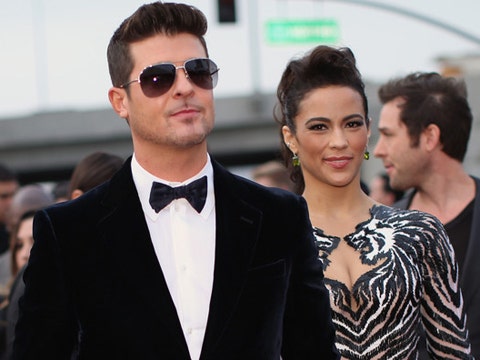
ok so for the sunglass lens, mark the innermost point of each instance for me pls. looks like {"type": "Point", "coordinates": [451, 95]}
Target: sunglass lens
{"type": "Point", "coordinates": [203, 73]}
{"type": "Point", "coordinates": [157, 79]}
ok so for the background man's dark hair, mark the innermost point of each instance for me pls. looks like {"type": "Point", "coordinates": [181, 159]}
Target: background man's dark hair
{"type": "Point", "coordinates": [433, 99]}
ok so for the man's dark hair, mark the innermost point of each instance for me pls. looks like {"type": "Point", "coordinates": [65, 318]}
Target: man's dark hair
{"type": "Point", "coordinates": [150, 19]}
{"type": "Point", "coordinates": [430, 98]}
{"type": "Point", "coordinates": [6, 174]}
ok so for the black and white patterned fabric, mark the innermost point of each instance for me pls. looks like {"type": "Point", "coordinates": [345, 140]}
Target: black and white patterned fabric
{"type": "Point", "coordinates": [413, 282]}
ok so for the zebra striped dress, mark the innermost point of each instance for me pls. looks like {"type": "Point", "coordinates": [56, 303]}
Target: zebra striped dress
{"type": "Point", "coordinates": [413, 282]}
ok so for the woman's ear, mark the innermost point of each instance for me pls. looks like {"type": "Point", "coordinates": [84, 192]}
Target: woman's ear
{"type": "Point", "coordinates": [76, 193]}
{"type": "Point", "coordinates": [289, 139]}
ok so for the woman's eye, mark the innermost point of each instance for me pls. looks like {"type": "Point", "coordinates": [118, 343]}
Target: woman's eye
{"type": "Point", "coordinates": [318, 127]}
{"type": "Point", "coordinates": [354, 124]}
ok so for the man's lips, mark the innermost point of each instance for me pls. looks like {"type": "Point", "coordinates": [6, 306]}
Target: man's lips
{"type": "Point", "coordinates": [388, 167]}
{"type": "Point", "coordinates": [186, 111]}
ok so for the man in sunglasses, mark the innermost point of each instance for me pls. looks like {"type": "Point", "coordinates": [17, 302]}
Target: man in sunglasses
{"type": "Point", "coordinates": [174, 257]}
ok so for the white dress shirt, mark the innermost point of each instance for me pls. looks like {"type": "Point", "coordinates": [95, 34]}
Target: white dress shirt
{"type": "Point", "coordinates": [184, 243]}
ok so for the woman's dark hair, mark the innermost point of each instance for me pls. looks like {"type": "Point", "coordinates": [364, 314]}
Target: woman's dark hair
{"type": "Point", "coordinates": [322, 67]}
{"type": "Point", "coordinates": [93, 170]}
{"type": "Point", "coordinates": [13, 241]}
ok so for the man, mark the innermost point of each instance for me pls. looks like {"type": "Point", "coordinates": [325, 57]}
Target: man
{"type": "Point", "coordinates": [8, 188]}
{"type": "Point", "coordinates": [424, 126]}
{"type": "Point", "coordinates": [128, 271]}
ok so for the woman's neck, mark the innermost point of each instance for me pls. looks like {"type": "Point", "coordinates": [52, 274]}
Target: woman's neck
{"type": "Point", "coordinates": [337, 210]}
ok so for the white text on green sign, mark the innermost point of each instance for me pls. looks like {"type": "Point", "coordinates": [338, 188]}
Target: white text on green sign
{"type": "Point", "coordinates": [302, 31]}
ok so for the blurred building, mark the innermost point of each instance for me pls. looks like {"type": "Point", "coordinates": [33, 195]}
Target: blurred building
{"type": "Point", "coordinates": [46, 146]}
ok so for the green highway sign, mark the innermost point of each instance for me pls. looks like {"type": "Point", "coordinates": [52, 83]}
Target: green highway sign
{"type": "Point", "coordinates": [302, 31]}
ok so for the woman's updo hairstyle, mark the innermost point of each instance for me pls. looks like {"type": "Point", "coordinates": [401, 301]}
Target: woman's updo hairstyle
{"type": "Point", "coordinates": [323, 66]}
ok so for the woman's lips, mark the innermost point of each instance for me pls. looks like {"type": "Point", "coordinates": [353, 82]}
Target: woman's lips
{"type": "Point", "coordinates": [338, 162]}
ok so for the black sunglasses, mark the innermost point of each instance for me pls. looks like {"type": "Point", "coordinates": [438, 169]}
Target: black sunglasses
{"type": "Point", "coordinates": [156, 80]}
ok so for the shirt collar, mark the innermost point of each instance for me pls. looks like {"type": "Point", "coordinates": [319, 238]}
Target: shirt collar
{"type": "Point", "coordinates": [143, 182]}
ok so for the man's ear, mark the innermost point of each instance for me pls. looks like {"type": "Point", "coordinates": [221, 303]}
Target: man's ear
{"type": "Point", "coordinates": [431, 137]}
{"type": "Point", "coordinates": [118, 97]}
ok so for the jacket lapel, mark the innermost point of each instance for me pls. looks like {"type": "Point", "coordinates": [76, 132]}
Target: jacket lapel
{"type": "Point", "coordinates": [126, 230]}
{"type": "Point", "coordinates": [237, 228]}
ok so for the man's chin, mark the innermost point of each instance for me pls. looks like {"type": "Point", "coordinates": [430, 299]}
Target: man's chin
{"type": "Point", "coordinates": [191, 141]}
{"type": "Point", "coordinates": [397, 185]}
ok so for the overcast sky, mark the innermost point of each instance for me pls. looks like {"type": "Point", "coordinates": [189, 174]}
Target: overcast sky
{"type": "Point", "coordinates": [52, 52]}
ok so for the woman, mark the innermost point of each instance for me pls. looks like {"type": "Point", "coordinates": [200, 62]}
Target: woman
{"type": "Point", "coordinates": [22, 242]}
{"type": "Point", "coordinates": [91, 171]}
{"type": "Point", "coordinates": [388, 271]}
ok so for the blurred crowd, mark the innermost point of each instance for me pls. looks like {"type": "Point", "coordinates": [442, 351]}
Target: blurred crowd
{"type": "Point", "coordinates": [18, 205]}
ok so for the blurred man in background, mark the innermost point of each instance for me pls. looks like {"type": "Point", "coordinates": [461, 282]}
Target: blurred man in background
{"type": "Point", "coordinates": [424, 126]}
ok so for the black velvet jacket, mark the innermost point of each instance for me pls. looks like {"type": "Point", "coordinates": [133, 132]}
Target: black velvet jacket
{"type": "Point", "coordinates": [93, 278]}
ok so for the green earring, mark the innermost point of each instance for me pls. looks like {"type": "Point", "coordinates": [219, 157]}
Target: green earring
{"type": "Point", "coordinates": [295, 160]}
{"type": "Point", "coordinates": [366, 155]}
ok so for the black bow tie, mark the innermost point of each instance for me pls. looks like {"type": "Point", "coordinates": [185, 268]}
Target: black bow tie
{"type": "Point", "coordinates": [196, 194]}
